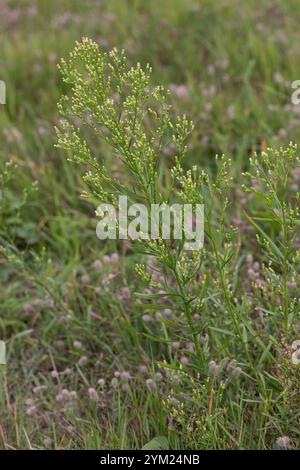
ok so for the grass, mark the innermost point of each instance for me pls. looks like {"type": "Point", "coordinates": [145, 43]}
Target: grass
{"type": "Point", "coordinates": [67, 321]}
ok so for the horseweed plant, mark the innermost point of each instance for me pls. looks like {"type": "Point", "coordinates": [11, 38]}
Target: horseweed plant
{"type": "Point", "coordinates": [117, 104]}
{"type": "Point", "coordinates": [273, 178]}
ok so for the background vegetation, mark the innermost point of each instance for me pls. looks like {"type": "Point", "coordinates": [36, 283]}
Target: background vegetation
{"type": "Point", "coordinates": [89, 364]}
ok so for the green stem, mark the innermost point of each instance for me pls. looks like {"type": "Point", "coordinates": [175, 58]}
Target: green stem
{"type": "Point", "coordinates": [189, 317]}
{"type": "Point", "coordinates": [232, 311]}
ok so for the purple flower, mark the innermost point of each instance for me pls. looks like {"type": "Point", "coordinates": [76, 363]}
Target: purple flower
{"type": "Point", "coordinates": [101, 382]}
{"type": "Point", "coordinates": [28, 309]}
{"type": "Point", "coordinates": [184, 360]}
{"type": "Point", "coordinates": [98, 265]}
{"type": "Point", "coordinates": [125, 375]}
{"type": "Point", "coordinates": [147, 318]}
{"type": "Point", "coordinates": [82, 361]}
{"type": "Point", "coordinates": [31, 410]}
{"type": "Point", "coordinates": [283, 441]}
{"type": "Point", "coordinates": [180, 90]}
{"type": "Point", "coordinates": [143, 369]}
{"type": "Point", "coordinates": [151, 385]}
{"type": "Point", "coordinates": [93, 395]}
{"type": "Point", "coordinates": [95, 315]}
{"type": "Point", "coordinates": [38, 389]}
{"type": "Point", "coordinates": [77, 344]}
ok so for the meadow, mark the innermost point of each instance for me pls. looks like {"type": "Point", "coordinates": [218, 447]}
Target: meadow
{"type": "Point", "coordinates": [122, 345]}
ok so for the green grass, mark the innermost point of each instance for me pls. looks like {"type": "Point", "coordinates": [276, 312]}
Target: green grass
{"type": "Point", "coordinates": [237, 61]}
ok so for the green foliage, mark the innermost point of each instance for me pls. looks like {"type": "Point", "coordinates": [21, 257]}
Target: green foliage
{"type": "Point", "coordinates": [271, 180]}
{"type": "Point", "coordinates": [205, 337]}
{"type": "Point", "coordinates": [158, 443]}
{"type": "Point", "coordinates": [113, 100]}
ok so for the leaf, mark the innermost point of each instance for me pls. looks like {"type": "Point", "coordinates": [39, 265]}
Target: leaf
{"type": "Point", "coordinates": [23, 333]}
{"type": "Point", "coordinates": [158, 443]}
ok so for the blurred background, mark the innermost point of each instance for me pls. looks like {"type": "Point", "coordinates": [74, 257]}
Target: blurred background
{"type": "Point", "coordinates": [229, 66]}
